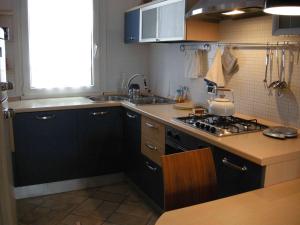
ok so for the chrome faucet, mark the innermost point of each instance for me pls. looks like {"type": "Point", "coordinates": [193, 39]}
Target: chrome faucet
{"type": "Point", "coordinates": [135, 76]}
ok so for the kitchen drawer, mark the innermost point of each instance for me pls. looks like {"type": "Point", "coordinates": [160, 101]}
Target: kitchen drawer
{"type": "Point", "coordinates": [152, 149]}
{"type": "Point", "coordinates": [153, 130]}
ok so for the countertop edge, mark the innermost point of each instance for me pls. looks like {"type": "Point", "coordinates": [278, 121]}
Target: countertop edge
{"type": "Point", "coordinates": [174, 124]}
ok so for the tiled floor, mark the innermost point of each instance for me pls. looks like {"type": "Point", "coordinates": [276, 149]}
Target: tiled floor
{"type": "Point", "coordinates": [117, 204]}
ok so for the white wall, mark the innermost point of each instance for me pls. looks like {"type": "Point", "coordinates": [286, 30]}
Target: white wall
{"type": "Point", "coordinates": [116, 57]}
{"type": "Point", "coordinates": [167, 67]}
{"type": "Point", "coordinates": [121, 58]}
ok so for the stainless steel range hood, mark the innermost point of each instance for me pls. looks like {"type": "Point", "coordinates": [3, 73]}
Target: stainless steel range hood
{"type": "Point", "coordinates": [214, 9]}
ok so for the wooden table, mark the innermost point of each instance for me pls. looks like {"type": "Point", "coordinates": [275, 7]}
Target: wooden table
{"type": "Point", "coordinates": [276, 205]}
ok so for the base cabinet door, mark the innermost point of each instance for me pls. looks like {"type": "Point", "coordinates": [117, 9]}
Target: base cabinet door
{"type": "Point", "coordinates": [100, 134]}
{"type": "Point", "coordinates": [132, 145]}
{"type": "Point", "coordinates": [236, 175]}
{"type": "Point", "coordinates": [45, 147]}
{"type": "Point", "coordinates": [152, 181]}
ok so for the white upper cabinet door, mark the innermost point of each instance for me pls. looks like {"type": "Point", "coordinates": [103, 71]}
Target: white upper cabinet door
{"type": "Point", "coordinates": [148, 23]}
{"type": "Point", "coordinates": [171, 20]}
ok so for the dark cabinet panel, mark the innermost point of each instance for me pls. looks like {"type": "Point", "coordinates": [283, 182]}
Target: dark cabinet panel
{"type": "Point", "coordinates": [236, 175]}
{"type": "Point", "coordinates": [100, 134]}
{"type": "Point", "coordinates": [152, 181]}
{"type": "Point", "coordinates": [132, 145]}
{"type": "Point", "coordinates": [132, 26]}
{"type": "Point", "coordinates": [46, 147]}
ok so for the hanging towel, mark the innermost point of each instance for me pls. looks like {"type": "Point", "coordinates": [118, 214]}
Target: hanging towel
{"type": "Point", "coordinates": [229, 62]}
{"type": "Point", "coordinates": [192, 67]}
{"type": "Point", "coordinates": [215, 74]}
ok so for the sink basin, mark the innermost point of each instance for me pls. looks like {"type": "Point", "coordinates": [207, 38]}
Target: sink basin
{"type": "Point", "coordinates": [143, 100]}
{"type": "Point", "coordinates": [151, 100]}
{"type": "Point", "coordinates": [106, 98]}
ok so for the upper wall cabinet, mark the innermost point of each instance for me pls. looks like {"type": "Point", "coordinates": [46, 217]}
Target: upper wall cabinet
{"type": "Point", "coordinates": [132, 26]}
{"type": "Point", "coordinates": [164, 21]}
{"type": "Point", "coordinates": [286, 25]}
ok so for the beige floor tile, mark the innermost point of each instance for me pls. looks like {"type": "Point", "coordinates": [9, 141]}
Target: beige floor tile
{"type": "Point", "coordinates": [107, 196]}
{"type": "Point", "coordinates": [24, 207]}
{"type": "Point", "coordinates": [125, 219]}
{"type": "Point", "coordinates": [137, 209]}
{"type": "Point", "coordinates": [87, 207]}
{"type": "Point", "coordinates": [105, 210]}
{"type": "Point", "coordinates": [72, 219]}
{"type": "Point", "coordinates": [121, 188]}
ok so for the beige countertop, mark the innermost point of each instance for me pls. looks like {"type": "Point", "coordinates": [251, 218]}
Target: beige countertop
{"type": "Point", "coordinates": [253, 146]}
{"type": "Point", "coordinates": [276, 205]}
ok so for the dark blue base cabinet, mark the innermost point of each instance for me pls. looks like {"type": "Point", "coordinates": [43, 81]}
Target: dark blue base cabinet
{"type": "Point", "coordinates": [152, 181]}
{"type": "Point", "coordinates": [61, 145]}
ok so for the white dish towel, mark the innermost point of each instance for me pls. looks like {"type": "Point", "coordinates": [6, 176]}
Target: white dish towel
{"type": "Point", "coordinates": [192, 64]}
{"type": "Point", "coordinates": [215, 73]}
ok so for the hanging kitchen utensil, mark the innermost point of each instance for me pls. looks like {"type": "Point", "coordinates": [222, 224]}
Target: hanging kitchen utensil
{"type": "Point", "coordinates": [265, 81]}
{"type": "Point", "coordinates": [283, 83]}
{"type": "Point", "coordinates": [274, 83]}
{"type": "Point", "coordinates": [281, 132]}
{"type": "Point", "coordinates": [298, 55]}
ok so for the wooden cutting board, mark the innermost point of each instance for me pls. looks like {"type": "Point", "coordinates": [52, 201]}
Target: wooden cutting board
{"type": "Point", "coordinates": [184, 106]}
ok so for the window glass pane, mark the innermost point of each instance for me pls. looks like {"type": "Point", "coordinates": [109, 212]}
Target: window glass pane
{"type": "Point", "coordinates": [60, 43]}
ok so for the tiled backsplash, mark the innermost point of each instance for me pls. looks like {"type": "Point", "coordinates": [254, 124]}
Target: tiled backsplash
{"type": "Point", "coordinates": [251, 97]}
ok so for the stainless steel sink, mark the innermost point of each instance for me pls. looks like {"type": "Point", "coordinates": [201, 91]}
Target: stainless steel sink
{"type": "Point", "coordinates": [151, 100]}
{"type": "Point", "coordinates": [143, 100]}
{"type": "Point", "coordinates": [106, 98]}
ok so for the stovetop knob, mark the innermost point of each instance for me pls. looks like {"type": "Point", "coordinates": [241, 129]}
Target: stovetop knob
{"type": "Point", "coordinates": [213, 130]}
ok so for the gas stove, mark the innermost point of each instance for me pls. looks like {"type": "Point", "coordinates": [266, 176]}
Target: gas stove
{"type": "Point", "coordinates": [222, 126]}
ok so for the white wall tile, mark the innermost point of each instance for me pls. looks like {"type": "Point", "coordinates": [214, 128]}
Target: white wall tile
{"type": "Point", "coordinates": [251, 97]}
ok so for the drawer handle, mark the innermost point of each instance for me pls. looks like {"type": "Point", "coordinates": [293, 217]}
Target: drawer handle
{"type": "Point", "coordinates": [98, 113]}
{"type": "Point", "coordinates": [151, 147]}
{"type": "Point", "coordinates": [130, 116]}
{"type": "Point", "coordinates": [227, 163]}
{"type": "Point", "coordinates": [150, 125]}
{"type": "Point", "coordinates": [49, 117]}
{"type": "Point", "coordinates": [154, 169]}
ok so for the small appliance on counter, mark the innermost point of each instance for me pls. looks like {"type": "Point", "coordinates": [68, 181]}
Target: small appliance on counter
{"type": "Point", "coordinates": [220, 105]}
{"type": "Point", "coordinates": [281, 132]}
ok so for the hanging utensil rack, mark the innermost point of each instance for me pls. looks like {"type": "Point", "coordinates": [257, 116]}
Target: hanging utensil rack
{"type": "Point", "coordinates": [250, 46]}
{"type": "Point", "coordinates": [195, 46]}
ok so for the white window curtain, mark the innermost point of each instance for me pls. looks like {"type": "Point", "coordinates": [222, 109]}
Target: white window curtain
{"type": "Point", "coordinates": [60, 48]}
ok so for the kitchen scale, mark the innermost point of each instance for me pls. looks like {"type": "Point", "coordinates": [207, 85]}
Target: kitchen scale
{"type": "Point", "coordinates": [281, 132]}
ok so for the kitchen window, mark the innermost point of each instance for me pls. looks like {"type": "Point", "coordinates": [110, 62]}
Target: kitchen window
{"type": "Point", "coordinates": [60, 46]}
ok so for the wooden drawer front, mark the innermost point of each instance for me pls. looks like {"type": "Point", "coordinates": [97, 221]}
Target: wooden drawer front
{"type": "Point", "coordinates": [153, 150]}
{"type": "Point", "coordinates": [153, 130]}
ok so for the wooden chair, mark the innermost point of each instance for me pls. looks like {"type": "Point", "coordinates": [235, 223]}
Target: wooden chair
{"type": "Point", "coordinates": [189, 178]}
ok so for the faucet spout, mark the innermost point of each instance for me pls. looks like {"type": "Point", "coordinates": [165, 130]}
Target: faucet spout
{"type": "Point", "coordinates": [132, 78]}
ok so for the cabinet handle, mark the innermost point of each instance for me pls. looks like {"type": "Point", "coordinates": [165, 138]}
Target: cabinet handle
{"type": "Point", "coordinates": [132, 38]}
{"type": "Point", "coordinates": [150, 125]}
{"type": "Point", "coordinates": [154, 169]}
{"type": "Point", "coordinates": [49, 117]}
{"type": "Point", "coordinates": [98, 113]}
{"type": "Point", "coordinates": [226, 162]}
{"type": "Point", "coordinates": [130, 116]}
{"type": "Point", "coordinates": [151, 147]}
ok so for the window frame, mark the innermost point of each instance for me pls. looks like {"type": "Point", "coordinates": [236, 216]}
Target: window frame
{"type": "Point", "coordinates": [98, 28]}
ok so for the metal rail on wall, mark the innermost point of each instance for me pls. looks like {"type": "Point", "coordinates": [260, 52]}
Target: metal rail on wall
{"type": "Point", "coordinates": [255, 46]}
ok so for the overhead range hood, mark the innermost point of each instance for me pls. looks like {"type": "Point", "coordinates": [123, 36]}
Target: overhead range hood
{"type": "Point", "coordinates": [216, 10]}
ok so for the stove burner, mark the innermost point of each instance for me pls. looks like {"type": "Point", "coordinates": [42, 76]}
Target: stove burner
{"type": "Point", "coordinates": [222, 126]}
